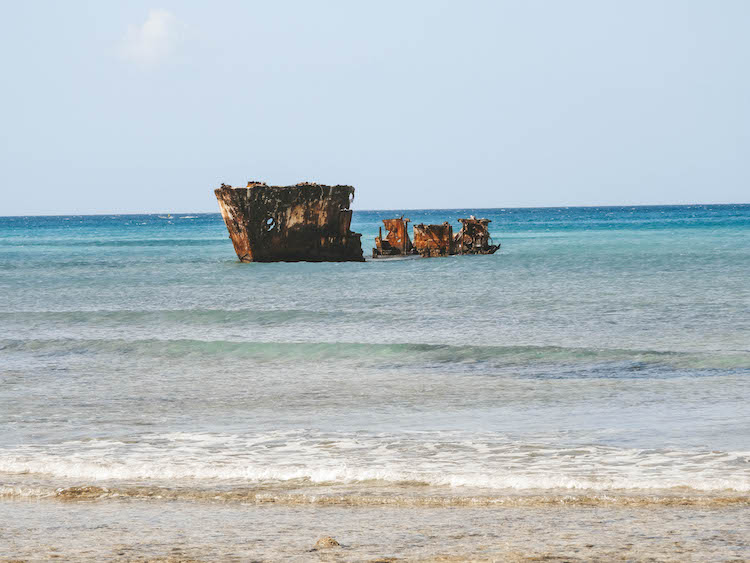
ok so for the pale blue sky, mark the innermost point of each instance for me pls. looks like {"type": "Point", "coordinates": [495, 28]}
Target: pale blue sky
{"type": "Point", "coordinates": [146, 107]}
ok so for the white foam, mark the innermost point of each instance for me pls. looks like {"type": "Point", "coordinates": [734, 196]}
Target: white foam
{"type": "Point", "coordinates": [437, 459]}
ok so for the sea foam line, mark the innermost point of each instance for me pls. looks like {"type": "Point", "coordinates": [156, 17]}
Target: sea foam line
{"type": "Point", "coordinates": [594, 479]}
{"type": "Point", "coordinates": [399, 499]}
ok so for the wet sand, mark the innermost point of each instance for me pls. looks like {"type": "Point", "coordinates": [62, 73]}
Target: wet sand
{"type": "Point", "coordinates": [126, 529]}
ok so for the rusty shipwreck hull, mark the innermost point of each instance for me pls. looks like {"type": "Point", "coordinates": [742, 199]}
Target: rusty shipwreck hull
{"type": "Point", "coordinates": [437, 240]}
{"type": "Point", "coordinates": [434, 240]}
{"type": "Point", "coordinates": [474, 237]}
{"type": "Point", "coordinates": [396, 242]}
{"type": "Point", "coordinates": [306, 222]}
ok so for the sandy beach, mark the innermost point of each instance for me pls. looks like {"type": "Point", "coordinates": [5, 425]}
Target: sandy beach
{"type": "Point", "coordinates": [138, 530]}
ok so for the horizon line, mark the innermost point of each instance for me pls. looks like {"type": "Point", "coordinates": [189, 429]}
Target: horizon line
{"type": "Point", "coordinates": [102, 214]}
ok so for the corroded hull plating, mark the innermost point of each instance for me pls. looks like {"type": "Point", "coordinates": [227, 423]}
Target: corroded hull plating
{"type": "Point", "coordinates": [474, 237]}
{"type": "Point", "coordinates": [396, 242]}
{"type": "Point", "coordinates": [306, 222]}
{"type": "Point", "coordinates": [434, 240]}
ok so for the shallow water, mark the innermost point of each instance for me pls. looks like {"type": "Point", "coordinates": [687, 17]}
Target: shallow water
{"type": "Point", "coordinates": [601, 358]}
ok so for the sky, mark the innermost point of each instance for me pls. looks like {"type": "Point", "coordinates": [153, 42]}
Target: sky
{"type": "Point", "coordinates": [128, 107]}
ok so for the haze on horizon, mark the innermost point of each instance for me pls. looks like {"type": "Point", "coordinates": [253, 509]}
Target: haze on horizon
{"type": "Point", "coordinates": [146, 107]}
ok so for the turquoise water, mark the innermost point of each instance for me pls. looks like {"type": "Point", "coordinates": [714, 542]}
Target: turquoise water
{"type": "Point", "coordinates": [601, 351]}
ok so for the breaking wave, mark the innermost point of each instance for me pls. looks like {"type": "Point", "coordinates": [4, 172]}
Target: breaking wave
{"type": "Point", "coordinates": [304, 477]}
{"type": "Point", "coordinates": [393, 354]}
{"type": "Point", "coordinates": [310, 460]}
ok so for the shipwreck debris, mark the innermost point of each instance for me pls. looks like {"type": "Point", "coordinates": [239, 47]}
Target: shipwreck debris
{"type": "Point", "coordinates": [306, 222]}
{"type": "Point", "coordinates": [474, 237]}
{"type": "Point", "coordinates": [434, 240]}
{"type": "Point", "coordinates": [396, 241]}
{"type": "Point", "coordinates": [438, 240]}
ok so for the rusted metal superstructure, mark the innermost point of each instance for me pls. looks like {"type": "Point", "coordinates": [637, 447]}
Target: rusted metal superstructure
{"type": "Point", "coordinates": [396, 241]}
{"type": "Point", "coordinates": [474, 237]}
{"type": "Point", "coordinates": [306, 222]}
{"type": "Point", "coordinates": [438, 240]}
{"type": "Point", "coordinates": [433, 240]}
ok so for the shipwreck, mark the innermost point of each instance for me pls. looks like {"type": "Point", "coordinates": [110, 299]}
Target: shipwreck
{"type": "Point", "coordinates": [306, 222]}
{"type": "Point", "coordinates": [474, 237]}
{"type": "Point", "coordinates": [312, 222]}
{"type": "Point", "coordinates": [435, 240]}
{"type": "Point", "coordinates": [396, 241]}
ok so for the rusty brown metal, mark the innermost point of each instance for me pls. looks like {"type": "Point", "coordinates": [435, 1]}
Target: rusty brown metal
{"type": "Point", "coordinates": [474, 237]}
{"type": "Point", "coordinates": [396, 241]}
{"type": "Point", "coordinates": [434, 240]}
{"type": "Point", "coordinates": [306, 222]}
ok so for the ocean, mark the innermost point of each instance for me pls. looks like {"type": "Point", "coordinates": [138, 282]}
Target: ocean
{"type": "Point", "coordinates": [584, 391]}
